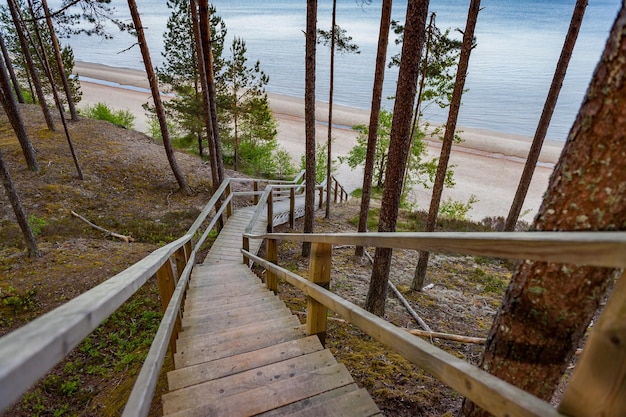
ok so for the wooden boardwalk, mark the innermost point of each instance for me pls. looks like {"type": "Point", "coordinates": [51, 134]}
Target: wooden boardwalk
{"type": "Point", "coordinates": [242, 352]}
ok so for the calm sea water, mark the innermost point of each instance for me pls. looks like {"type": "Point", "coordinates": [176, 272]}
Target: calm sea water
{"type": "Point", "coordinates": [519, 42]}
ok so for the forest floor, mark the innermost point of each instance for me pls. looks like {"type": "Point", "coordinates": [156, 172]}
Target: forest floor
{"type": "Point", "coordinates": [128, 188]}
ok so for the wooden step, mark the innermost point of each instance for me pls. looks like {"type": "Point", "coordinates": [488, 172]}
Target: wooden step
{"type": "Point", "coordinates": [234, 303]}
{"type": "Point", "coordinates": [207, 371]}
{"type": "Point", "coordinates": [228, 313]}
{"type": "Point", "coordinates": [194, 353]}
{"type": "Point", "coordinates": [356, 403]}
{"type": "Point", "coordinates": [268, 325]}
{"type": "Point", "coordinates": [229, 299]}
{"type": "Point", "coordinates": [275, 395]}
{"type": "Point", "coordinates": [231, 323]}
{"type": "Point", "coordinates": [206, 296]}
{"type": "Point", "coordinates": [313, 401]}
{"type": "Point", "coordinates": [218, 389]}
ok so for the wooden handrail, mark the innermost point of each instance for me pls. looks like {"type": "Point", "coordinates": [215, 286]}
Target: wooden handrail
{"type": "Point", "coordinates": [489, 392]}
{"type": "Point", "coordinates": [606, 249]}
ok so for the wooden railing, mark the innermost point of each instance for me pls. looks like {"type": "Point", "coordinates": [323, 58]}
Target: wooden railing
{"type": "Point", "coordinates": [598, 386]}
{"type": "Point", "coordinates": [29, 352]}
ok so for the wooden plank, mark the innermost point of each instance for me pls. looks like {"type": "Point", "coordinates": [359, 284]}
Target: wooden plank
{"type": "Point", "coordinates": [605, 249]}
{"type": "Point", "coordinates": [266, 326]}
{"type": "Point", "coordinates": [195, 353]}
{"type": "Point", "coordinates": [221, 388]}
{"type": "Point", "coordinates": [234, 304]}
{"type": "Point", "coordinates": [275, 395]}
{"type": "Point", "coordinates": [266, 307]}
{"type": "Point", "coordinates": [598, 385]}
{"type": "Point", "coordinates": [206, 371]}
{"type": "Point", "coordinates": [354, 404]}
{"type": "Point", "coordinates": [229, 299]}
{"type": "Point", "coordinates": [236, 322]}
{"type": "Point", "coordinates": [322, 398]}
{"type": "Point", "coordinates": [211, 293]}
{"type": "Point", "coordinates": [319, 273]}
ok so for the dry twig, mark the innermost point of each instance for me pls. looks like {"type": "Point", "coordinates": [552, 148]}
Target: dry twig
{"type": "Point", "coordinates": [126, 239]}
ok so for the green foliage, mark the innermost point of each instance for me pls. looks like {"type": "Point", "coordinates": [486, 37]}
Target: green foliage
{"type": "Point", "coordinates": [342, 41]}
{"type": "Point", "coordinates": [36, 224]}
{"type": "Point", "coordinates": [321, 158]}
{"type": "Point", "coordinates": [102, 111]}
{"type": "Point", "coordinates": [454, 209]}
{"type": "Point", "coordinates": [419, 170]}
{"type": "Point", "coordinates": [18, 301]}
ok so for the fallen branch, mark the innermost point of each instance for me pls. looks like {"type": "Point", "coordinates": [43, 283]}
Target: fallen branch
{"type": "Point", "coordinates": [303, 313]}
{"type": "Point", "coordinates": [126, 239]}
{"type": "Point", "coordinates": [403, 300]}
{"type": "Point", "coordinates": [447, 336]}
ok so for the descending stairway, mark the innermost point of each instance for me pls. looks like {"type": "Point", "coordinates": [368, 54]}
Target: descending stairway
{"type": "Point", "coordinates": [243, 353]}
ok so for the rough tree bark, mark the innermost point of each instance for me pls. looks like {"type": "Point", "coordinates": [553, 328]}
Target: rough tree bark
{"type": "Point", "coordinates": [59, 59]}
{"type": "Point", "coordinates": [372, 134]}
{"type": "Point", "coordinates": [448, 139]}
{"type": "Point", "coordinates": [22, 220]}
{"type": "Point", "coordinates": [156, 96]}
{"type": "Point", "coordinates": [548, 307]}
{"type": "Point", "coordinates": [546, 115]}
{"type": "Point", "coordinates": [309, 120]}
{"type": "Point", "coordinates": [12, 109]}
{"type": "Point", "coordinates": [30, 64]}
{"type": "Point", "coordinates": [205, 93]}
{"type": "Point", "coordinates": [205, 33]}
{"type": "Point", "coordinates": [329, 140]}
{"type": "Point", "coordinates": [7, 59]}
{"type": "Point", "coordinates": [400, 141]}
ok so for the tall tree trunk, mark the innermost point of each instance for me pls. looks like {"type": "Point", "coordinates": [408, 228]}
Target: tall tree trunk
{"type": "Point", "coordinates": [12, 109]}
{"type": "Point", "coordinates": [546, 115]}
{"type": "Point", "coordinates": [548, 307]}
{"type": "Point", "coordinates": [156, 96]}
{"type": "Point", "coordinates": [22, 220]}
{"type": "Point", "coordinates": [448, 139]}
{"type": "Point", "coordinates": [205, 93]}
{"type": "Point", "coordinates": [309, 120]}
{"type": "Point", "coordinates": [59, 59]}
{"type": "Point", "coordinates": [205, 30]}
{"type": "Point", "coordinates": [46, 65]}
{"type": "Point", "coordinates": [414, 34]}
{"type": "Point", "coordinates": [329, 141]}
{"type": "Point", "coordinates": [372, 134]}
{"type": "Point", "coordinates": [30, 64]}
{"type": "Point", "coordinates": [7, 59]}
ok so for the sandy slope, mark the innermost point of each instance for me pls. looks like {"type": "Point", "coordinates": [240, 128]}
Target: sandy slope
{"type": "Point", "coordinates": [488, 164]}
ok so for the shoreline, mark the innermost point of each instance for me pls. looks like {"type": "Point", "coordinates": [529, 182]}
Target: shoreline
{"type": "Point", "coordinates": [488, 164]}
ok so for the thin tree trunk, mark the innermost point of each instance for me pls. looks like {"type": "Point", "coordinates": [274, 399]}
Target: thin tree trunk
{"type": "Point", "coordinates": [547, 307]}
{"type": "Point", "coordinates": [156, 96]}
{"type": "Point", "coordinates": [30, 64]}
{"type": "Point", "coordinates": [12, 110]}
{"type": "Point", "coordinates": [59, 59]}
{"type": "Point", "coordinates": [448, 139]}
{"type": "Point", "coordinates": [22, 220]}
{"type": "Point", "coordinates": [205, 94]}
{"type": "Point", "coordinates": [205, 30]}
{"type": "Point", "coordinates": [46, 65]}
{"type": "Point", "coordinates": [7, 59]}
{"type": "Point", "coordinates": [309, 120]}
{"type": "Point", "coordinates": [329, 142]}
{"type": "Point", "coordinates": [414, 34]}
{"type": "Point", "coordinates": [546, 115]}
{"type": "Point", "coordinates": [372, 135]}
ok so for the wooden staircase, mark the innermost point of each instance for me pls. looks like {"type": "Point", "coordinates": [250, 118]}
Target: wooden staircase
{"type": "Point", "coordinates": [242, 353]}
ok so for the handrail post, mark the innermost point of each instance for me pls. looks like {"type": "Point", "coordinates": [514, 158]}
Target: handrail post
{"type": "Point", "coordinates": [246, 247]}
{"type": "Point", "coordinates": [270, 212]}
{"type": "Point", "coordinates": [319, 273]}
{"type": "Point", "coordinates": [229, 207]}
{"type": "Point", "coordinates": [292, 207]}
{"type": "Point", "coordinates": [255, 187]}
{"type": "Point", "coordinates": [271, 280]}
{"type": "Point", "coordinates": [167, 284]}
{"type": "Point", "coordinates": [336, 189]}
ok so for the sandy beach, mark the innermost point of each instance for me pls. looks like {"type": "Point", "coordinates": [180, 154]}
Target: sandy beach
{"type": "Point", "coordinates": [487, 164]}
